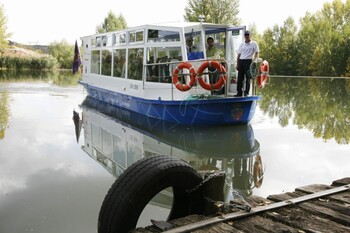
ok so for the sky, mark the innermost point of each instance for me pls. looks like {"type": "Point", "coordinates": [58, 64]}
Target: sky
{"type": "Point", "coordinates": [45, 21]}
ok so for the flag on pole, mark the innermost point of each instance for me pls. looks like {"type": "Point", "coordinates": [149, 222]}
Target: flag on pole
{"type": "Point", "coordinates": [77, 58]}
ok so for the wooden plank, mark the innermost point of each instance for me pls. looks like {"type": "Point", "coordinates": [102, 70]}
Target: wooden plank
{"type": "Point", "coordinates": [260, 224]}
{"type": "Point", "coordinates": [313, 188]}
{"type": "Point", "coordinates": [187, 220]}
{"type": "Point", "coordinates": [298, 218]}
{"type": "Point", "coordinates": [282, 196]}
{"type": "Point", "coordinates": [341, 182]}
{"type": "Point", "coordinates": [253, 201]}
{"type": "Point", "coordinates": [327, 213]}
{"type": "Point", "coordinates": [340, 197]}
{"type": "Point", "coordinates": [220, 227]}
{"type": "Point", "coordinates": [326, 201]}
{"type": "Point", "coordinates": [317, 208]}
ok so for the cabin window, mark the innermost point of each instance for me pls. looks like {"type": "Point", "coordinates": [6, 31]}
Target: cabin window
{"type": "Point", "coordinates": [106, 63]}
{"type": "Point", "coordinates": [104, 40]}
{"type": "Point", "coordinates": [113, 39]}
{"type": "Point", "coordinates": [161, 63]}
{"type": "Point", "coordinates": [119, 38]}
{"type": "Point", "coordinates": [139, 36]}
{"type": "Point", "coordinates": [219, 43]}
{"type": "Point", "coordinates": [136, 36]}
{"type": "Point", "coordinates": [162, 36]}
{"type": "Point", "coordinates": [132, 37]}
{"type": "Point", "coordinates": [119, 63]}
{"type": "Point", "coordinates": [93, 42]}
{"type": "Point", "coordinates": [194, 45]}
{"type": "Point", "coordinates": [135, 63]}
{"type": "Point", "coordinates": [95, 62]}
{"type": "Point", "coordinates": [98, 41]}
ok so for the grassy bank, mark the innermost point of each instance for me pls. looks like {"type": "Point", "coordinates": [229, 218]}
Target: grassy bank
{"type": "Point", "coordinates": [28, 63]}
{"type": "Point", "coordinates": [19, 57]}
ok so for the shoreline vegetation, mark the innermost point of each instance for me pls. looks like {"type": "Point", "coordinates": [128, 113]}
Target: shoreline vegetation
{"type": "Point", "coordinates": [28, 63]}
{"type": "Point", "coordinates": [20, 57]}
{"type": "Point", "coordinates": [57, 56]}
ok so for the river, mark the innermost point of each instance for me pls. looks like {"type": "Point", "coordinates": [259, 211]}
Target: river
{"type": "Point", "coordinates": [53, 180]}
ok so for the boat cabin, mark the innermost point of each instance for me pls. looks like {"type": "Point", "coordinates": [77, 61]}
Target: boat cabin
{"type": "Point", "coordinates": [142, 59]}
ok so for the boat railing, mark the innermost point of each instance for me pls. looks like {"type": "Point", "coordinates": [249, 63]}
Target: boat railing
{"type": "Point", "coordinates": [162, 72]}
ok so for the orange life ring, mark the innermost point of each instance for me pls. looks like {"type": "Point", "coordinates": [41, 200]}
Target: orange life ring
{"type": "Point", "coordinates": [222, 80]}
{"type": "Point", "coordinates": [178, 85]}
{"type": "Point", "coordinates": [264, 76]}
{"type": "Point", "coordinates": [262, 80]}
{"type": "Point", "coordinates": [264, 67]}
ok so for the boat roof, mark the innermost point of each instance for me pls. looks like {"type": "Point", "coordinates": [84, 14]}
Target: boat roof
{"type": "Point", "coordinates": [182, 24]}
{"type": "Point", "coordinates": [177, 24]}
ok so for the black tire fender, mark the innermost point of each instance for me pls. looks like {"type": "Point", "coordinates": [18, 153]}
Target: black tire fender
{"type": "Point", "coordinates": [140, 182]}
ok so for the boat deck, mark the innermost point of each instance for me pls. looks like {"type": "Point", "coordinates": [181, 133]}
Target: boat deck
{"type": "Point", "coordinates": [312, 208]}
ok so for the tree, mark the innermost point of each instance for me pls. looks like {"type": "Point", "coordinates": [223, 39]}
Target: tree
{"type": "Point", "coordinates": [112, 23]}
{"type": "Point", "coordinates": [4, 35]}
{"type": "Point", "coordinates": [324, 40]}
{"type": "Point", "coordinates": [307, 36]}
{"type": "Point", "coordinates": [63, 52]}
{"type": "Point", "coordinates": [280, 48]}
{"type": "Point", "coordinates": [214, 11]}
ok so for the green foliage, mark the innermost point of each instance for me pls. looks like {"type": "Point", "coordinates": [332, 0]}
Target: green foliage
{"type": "Point", "coordinates": [214, 11]}
{"type": "Point", "coordinates": [279, 47]}
{"type": "Point", "coordinates": [22, 63]}
{"type": "Point", "coordinates": [112, 23]}
{"type": "Point", "coordinates": [4, 35]}
{"type": "Point", "coordinates": [63, 52]}
{"type": "Point", "coordinates": [320, 48]}
{"type": "Point", "coordinates": [63, 78]}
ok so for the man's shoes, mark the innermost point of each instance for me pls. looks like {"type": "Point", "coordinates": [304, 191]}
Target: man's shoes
{"type": "Point", "coordinates": [246, 94]}
{"type": "Point", "coordinates": [237, 95]}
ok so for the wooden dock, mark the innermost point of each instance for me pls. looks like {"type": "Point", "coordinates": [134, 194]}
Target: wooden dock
{"type": "Point", "coordinates": [313, 208]}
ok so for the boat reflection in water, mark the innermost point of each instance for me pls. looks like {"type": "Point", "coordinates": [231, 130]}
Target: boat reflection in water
{"type": "Point", "coordinates": [116, 138]}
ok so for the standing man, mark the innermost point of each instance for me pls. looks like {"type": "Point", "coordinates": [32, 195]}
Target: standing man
{"type": "Point", "coordinates": [248, 52]}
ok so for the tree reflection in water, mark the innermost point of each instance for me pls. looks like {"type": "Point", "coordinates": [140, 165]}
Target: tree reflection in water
{"type": "Point", "coordinates": [4, 114]}
{"type": "Point", "coordinates": [59, 78]}
{"type": "Point", "coordinates": [320, 105]}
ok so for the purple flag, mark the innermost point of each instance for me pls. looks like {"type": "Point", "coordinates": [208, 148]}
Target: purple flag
{"type": "Point", "coordinates": [77, 58]}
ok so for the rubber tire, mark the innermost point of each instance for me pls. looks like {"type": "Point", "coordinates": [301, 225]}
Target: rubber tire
{"type": "Point", "coordinates": [140, 182]}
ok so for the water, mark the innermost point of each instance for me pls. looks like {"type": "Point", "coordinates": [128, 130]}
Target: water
{"type": "Point", "coordinates": [49, 182]}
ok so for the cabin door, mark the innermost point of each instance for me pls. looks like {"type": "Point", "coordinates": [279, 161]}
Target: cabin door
{"type": "Point", "coordinates": [234, 38]}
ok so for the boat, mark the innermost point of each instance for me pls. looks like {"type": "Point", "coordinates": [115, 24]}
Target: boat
{"type": "Point", "coordinates": [149, 70]}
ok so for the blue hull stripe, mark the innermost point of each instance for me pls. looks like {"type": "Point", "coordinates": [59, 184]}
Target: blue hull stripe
{"type": "Point", "coordinates": [218, 111]}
